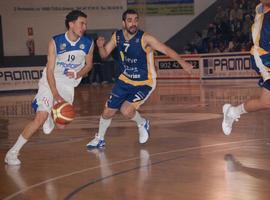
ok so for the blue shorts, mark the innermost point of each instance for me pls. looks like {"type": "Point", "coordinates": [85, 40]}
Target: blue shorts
{"type": "Point", "coordinates": [262, 67]}
{"type": "Point", "coordinates": [122, 92]}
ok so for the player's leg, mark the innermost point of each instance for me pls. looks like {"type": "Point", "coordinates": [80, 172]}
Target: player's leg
{"type": "Point", "coordinates": [233, 113]}
{"type": "Point", "coordinates": [42, 104]}
{"type": "Point", "coordinates": [112, 106]}
{"type": "Point", "coordinates": [104, 123]}
{"type": "Point", "coordinates": [12, 155]}
{"type": "Point", "coordinates": [137, 96]}
{"type": "Point", "coordinates": [130, 112]}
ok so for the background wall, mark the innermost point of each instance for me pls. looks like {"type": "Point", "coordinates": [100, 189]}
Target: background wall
{"type": "Point", "coordinates": [47, 19]}
{"type": "Point", "coordinates": [165, 27]}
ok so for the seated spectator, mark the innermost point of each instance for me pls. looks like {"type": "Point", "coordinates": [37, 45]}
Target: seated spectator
{"type": "Point", "coordinates": [236, 13]}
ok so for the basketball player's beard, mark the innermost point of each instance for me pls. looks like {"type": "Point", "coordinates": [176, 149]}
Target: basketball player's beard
{"type": "Point", "coordinates": [132, 32]}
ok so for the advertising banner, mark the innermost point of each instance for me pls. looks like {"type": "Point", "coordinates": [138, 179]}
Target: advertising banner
{"type": "Point", "coordinates": [227, 66]}
{"type": "Point", "coordinates": [19, 78]}
{"type": "Point", "coordinates": [163, 7]}
{"type": "Point", "coordinates": [169, 69]}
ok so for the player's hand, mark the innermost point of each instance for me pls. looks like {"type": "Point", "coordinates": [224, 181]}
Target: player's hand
{"type": "Point", "coordinates": [58, 98]}
{"type": "Point", "coordinates": [71, 73]}
{"type": "Point", "coordinates": [187, 67]}
{"type": "Point", "coordinates": [100, 42]}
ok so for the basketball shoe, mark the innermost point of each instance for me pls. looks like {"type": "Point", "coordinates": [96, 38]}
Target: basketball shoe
{"type": "Point", "coordinates": [229, 117]}
{"type": "Point", "coordinates": [48, 125]}
{"type": "Point", "coordinates": [97, 142]}
{"type": "Point", "coordinates": [12, 158]}
{"type": "Point", "coordinates": [144, 131]}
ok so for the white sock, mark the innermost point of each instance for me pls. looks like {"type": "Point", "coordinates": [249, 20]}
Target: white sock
{"type": "Point", "coordinates": [239, 110]}
{"type": "Point", "coordinates": [103, 126]}
{"type": "Point", "coordinates": [19, 144]}
{"type": "Point", "coordinates": [138, 119]}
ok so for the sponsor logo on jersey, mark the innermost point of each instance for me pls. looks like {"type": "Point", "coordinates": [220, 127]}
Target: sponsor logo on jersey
{"type": "Point", "coordinates": [63, 46]}
{"type": "Point", "coordinates": [68, 65]}
{"type": "Point", "coordinates": [132, 76]}
{"type": "Point", "coordinates": [131, 60]}
{"type": "Point", "coordinates": [82, 46]}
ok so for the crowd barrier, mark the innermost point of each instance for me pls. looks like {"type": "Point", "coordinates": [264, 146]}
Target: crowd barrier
{"type": "Point", "coordinates": [223, 66]}
{"type": "Point", "coordinates": [208, 67]}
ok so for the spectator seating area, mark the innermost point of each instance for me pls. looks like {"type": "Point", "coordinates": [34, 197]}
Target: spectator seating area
{"type": "Point", "coordinates": [230, 30]}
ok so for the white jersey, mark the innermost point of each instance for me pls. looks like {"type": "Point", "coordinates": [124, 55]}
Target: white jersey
{"type": "Point", "coordinates": [69, 55]}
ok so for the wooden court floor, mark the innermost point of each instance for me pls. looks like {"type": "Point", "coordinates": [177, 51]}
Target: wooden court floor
{"type": "Point", "coordinates": [187, 156]}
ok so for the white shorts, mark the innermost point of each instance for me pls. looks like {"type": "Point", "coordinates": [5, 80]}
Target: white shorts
{"type": "Point", "coordinates": [44, 101]}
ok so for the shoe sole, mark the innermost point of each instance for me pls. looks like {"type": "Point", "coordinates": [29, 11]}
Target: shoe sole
{"type": "Point", "coordinates": [101, 149]}
{"type": "Point", "coordinates": [95, 147]}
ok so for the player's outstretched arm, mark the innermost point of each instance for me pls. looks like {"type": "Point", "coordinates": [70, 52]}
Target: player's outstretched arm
{"type": "Point", "coordinates": [105, 50]}
{"type": "Point", "coordinates": [155, 44]}
{"type": "Point", "coordinates": [50, 71]}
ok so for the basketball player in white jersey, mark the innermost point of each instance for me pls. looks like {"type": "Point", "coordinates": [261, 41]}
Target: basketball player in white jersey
{"type": "Point", "coordinates": [69, 59]}
{"type": "Point", "coordinates": [260, 60]}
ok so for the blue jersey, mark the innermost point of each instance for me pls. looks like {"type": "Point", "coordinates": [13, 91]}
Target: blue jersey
{"type": "Point", "coordinates": [136, 61]}
{"type": "Point", "coordinates": [260, 59]}
{"type": "Point", "coordinates": [69, 55]}
{"type": "Point", "coordinates": [261, 31]}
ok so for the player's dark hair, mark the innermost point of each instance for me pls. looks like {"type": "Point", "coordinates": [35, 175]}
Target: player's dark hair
{"type": "Point", "coordinates": [129, 11]}
{"type": "Point", "coordinates": [73, 16]}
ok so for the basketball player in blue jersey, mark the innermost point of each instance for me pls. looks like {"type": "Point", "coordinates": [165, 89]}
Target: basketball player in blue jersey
{"type": "Point", "coordinates": [69, 59]}
{"type": "Point", "coordinates": [260, 60]}
{"type": "Point", "coordinates": [138, 77]}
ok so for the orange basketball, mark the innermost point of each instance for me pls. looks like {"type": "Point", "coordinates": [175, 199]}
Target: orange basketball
{"type": "Point", "coordinates": [63, 113]}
